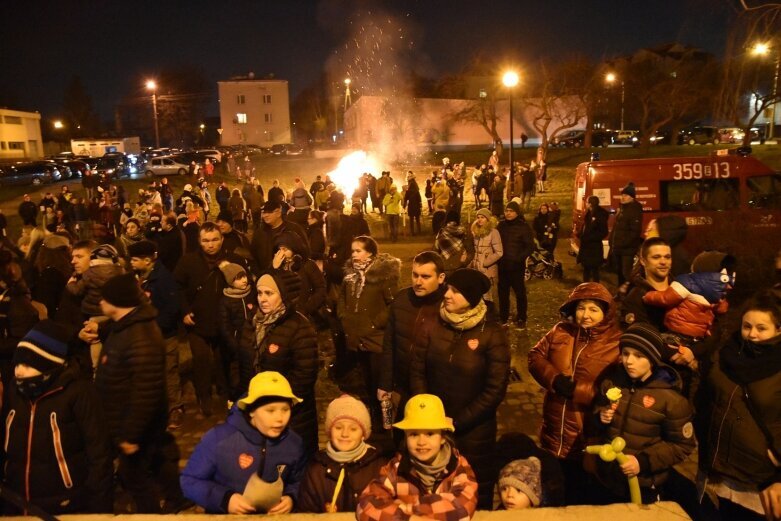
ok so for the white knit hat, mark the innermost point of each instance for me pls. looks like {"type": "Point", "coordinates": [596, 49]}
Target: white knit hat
{"type": "Point", "coordinates": [348, 408]}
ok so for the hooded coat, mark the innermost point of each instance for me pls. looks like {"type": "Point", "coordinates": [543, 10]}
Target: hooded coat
{"type": "Point", "coordinates": [626, 235]}
{"type": "Point", "coordinates": [488, 249]}
{"type": "Point", "coordinates": [365, 315]}
{"type": "Point", "coordinates": [582, 354]}
{"type": "Point", "coordinates": [591, 252]}
{"type": "Point", "coordinates": [218, 468]}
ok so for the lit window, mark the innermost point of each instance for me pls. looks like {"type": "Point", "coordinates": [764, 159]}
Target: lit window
{"type": "Point", "coordinates": [267, 99]}
{"type": "Point", "coordinates": [240, 99]}
{"type": "Point", "coordinates": [268, 117]}
{"type": "Point", "coordinates": [241, 118]}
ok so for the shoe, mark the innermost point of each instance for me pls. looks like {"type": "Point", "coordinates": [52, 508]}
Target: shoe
{"type": "Point", "coordinates": [507, 324]}
{"type": "Point", "coordinates": [520, 324]}
{"type": "Point", "coordinates": [175, 419]}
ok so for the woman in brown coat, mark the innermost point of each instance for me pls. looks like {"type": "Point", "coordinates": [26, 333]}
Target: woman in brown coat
{"type": "Point", "coordinates": [567, 362]}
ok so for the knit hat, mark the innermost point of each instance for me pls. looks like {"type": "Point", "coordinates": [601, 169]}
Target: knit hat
{"type": "Point", "coordinates": [470, 283]}
{"type": "Point", "coordinates": [142, 249]}
{"type": "Point", "coordinates": [104, 252]}
{"type": "Point", "coordinates": [225, 216]}
{"type": "Point", "coordinates": [188, 187]}
{"type": "Point", "coordinates": [54, 241]}
{"type": "Point", "coordinates": [44, 347]}
{"type": "Point", "coordinates": [646, 339]}
{"type": "Point", "coordinates": [713, 262]}
{"type": "Point", "coordinates": [287, 283]}
{"type": "Point", "coordinates": [348, 408]}
{"type": "Point", "coordinates": [524, 475]}
{"type": "Point", "coordinates": [122, 291]}
{"type": "Point", "coordinates": [629, 190]}
{"type": "Point", "coordinates": [485, 212]}
{"type": "Point", "coordinates": [231, 271]}
{"type": "Point", "coordinates": [512, 205]}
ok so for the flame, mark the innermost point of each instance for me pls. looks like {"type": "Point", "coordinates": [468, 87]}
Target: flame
{"type": "Point", "coordinates": [350, 168]}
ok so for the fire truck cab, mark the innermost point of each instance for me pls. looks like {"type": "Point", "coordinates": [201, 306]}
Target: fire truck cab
{"type": "Point", "coordinates": [722, 191]}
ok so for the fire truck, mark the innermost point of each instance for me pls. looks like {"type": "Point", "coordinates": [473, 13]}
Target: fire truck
{"type": "Point", "coordinates": [726, 195]}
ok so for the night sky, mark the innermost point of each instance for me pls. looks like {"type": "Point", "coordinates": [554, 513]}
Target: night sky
{"type": "Point", "coordinates": [115, 45]}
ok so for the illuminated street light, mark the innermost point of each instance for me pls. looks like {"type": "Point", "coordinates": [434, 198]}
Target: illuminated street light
{"type": "Point", "coordinates": [510, 80]}
{"type": "Point", "coordinates": [612, 78]}
{"type": "Point", "coordinates": [760, 48]}
{"type": "Point", "coordinates": [348, 99]}
{"type": "Point", "coordinates": [763, 49]}
{"type": "Point", "coordinates": [202, 126]}
{"type": "Point", "coordinates": [152, 85]}
{"type": "Point", "coordinates": [58, 125]}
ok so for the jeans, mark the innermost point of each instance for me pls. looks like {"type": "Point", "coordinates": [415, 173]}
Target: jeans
{"type": "Point", "coordinates": [511, 276]}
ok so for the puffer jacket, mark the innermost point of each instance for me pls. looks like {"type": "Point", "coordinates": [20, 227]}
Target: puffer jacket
{"type": "Point", "coordinates": [469, 370]}
{"type": "Point", "coordinates": [364, 316]}
{"type": "Point", "coordinates": [488, 251]}
{"type": "Point", "coordinates": [687, 313]}
{"type": "Point", "coordinates": [319, 482]}
{"type": "Point", "coordinates": [230, 453]}
{"type": "Point", "coordinates": [290, 348]}
{"type": "Point", "coordinates": [582, 354]}
{"type": "Point", "coordinates": [454, 498]}
{"type": "Point", "coordinates": [88, 286]}
{"type": "Point", "coordinates": [655, 420]}
{"type": "Point", "coordinates": [130, 377]}
{"type": "Point", "coordinates": [626, 235]}
{"type": "Point", "coordinates": [57, 452]}
{"type": "Point", "coordinates": [235, 314]}
{"type": "Point", "coordinates": [742, 389]}
{"type": "Point", "coordinates": [517, 241]}
{"type": "Point", "coordinates": [313, 293]}
{"type": "Point", "coordinates": [408, 316]}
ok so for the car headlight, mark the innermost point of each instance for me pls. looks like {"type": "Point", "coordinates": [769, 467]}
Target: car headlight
{"type": "Point", "coordinates": [634, 139]}
{"type": "Point", "coordinates": [133, 170]}
{"type": "Point", "coordinates": [110, 171]}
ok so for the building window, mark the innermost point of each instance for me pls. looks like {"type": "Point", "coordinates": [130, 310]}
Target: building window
{"type": "Point", "coordinates": [267, 99]}
{"type": "Point", "coordinates": [13, 120]}
{"type": "Point", "coordinates": [2, 145]}
{"type": "Point", "coordinates": [241, 118]}
{"type": "Point", "coordinates": [15, 145]}
{"type": "Point", "coordinates": [240, 99]}
{"type": "Point", "coordinates": [268, 117]}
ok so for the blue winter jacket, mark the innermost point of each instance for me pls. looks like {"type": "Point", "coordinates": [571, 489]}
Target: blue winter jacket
{"type": "Point", "coordinates": [230, 453]}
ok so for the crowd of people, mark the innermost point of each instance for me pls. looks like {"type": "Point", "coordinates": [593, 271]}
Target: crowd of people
{"type": "Point", "coordinates": [108, 306]}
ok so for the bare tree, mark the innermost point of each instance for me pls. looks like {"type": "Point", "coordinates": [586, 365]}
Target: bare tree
{"type": "Point", "coordinates": [482, 111]}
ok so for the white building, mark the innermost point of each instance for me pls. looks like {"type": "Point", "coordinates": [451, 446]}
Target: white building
{"type": "Point", "coordinates": [20, 135]}
{"type": "Point", "coordinates": [254, 111]}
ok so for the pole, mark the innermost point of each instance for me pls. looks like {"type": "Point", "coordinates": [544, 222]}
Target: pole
{"type": "Point", "coordinates": [510, 89]}
{"type": "Point", "coordinates": [775, 100]}
{"type": "Point", "coordinates": [622, 105]}
{"type": "Point", "coordinates": [157, 127]}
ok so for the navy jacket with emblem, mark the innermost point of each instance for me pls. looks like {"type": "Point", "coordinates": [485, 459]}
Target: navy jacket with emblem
{"type": "Point", "coordinates": [214, 472]}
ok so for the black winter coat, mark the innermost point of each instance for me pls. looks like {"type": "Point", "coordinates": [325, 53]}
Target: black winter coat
{"type": "Point", "coordinates": [290, 348]}
{"type": "Point", "coordinates": [236, 315]}
{"type": "Point", "coordinates": [319, 482]}
{"type": "Point", "coordinates": [131, 378]}
{"type": "Point", "coordinates": [316, 238]}
{"type": "Point", "coordinates": [408, 315]}
{"type": "Point", "coordinates": [170, 246]}
{"type": "Point", "coordinates": [28, 210]}
{"type": "Point", "coordinates": [200, 284]}
{"type": "Point", "coordinates": [591, 253]}
{"type": "Point", "coordinates": [67, 466]}
{"type": "Point", "coordinates": [412, 200]}
{"type": "Point", "coordinates": [626, 235]}
{"type": "Point", "coordinates": [517, 241]}
{"type": "Point", "coordinates": [312, 297]}
{"type": "Point", "coordinates": [163, 293]}
{"type": "Point", "coordinates": [262, 246]}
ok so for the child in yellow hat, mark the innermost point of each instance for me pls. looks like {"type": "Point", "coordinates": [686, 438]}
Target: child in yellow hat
{"type": "Point", "coordinates": [428, 478]}
{"type": "Point", "coordinates": [252, 462]}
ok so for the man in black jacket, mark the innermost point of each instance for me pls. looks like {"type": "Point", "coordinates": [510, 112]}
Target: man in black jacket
{"type": "Point", "coordinates": [28, 211]}
{"type": "Point", "coordinates": [131, 383]}
{"type": "Point", "coordinates": [274, 224]}
{"type": "Point", "coordinates": [412, 309]}
{"type": "Point", "coordinates": [231, 237]}
{"type": "Point", "coordinates": [200, 283]}
{"type": "Point", "coordinates": [626, 235]}
{"type": "Point", "coordinates": [518, 244]}
{"type": "Point", "coordinates": [656, 260]}
{"type": "Point", "coordinates": [170, 241]}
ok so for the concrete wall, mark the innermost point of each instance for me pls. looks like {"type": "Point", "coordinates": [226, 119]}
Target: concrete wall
{"type": "Point", "coordinates": [257, 130]}
{"type": "Point", "coordinates": [22, 131]}
{"type": "Point", "coordinates": [657, 512]}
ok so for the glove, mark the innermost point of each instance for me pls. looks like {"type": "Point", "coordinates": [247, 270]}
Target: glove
{"type": "Point", "coordinates": [564, 386]}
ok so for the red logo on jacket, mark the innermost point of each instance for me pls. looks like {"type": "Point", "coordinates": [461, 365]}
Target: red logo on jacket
{"type": "Point", "coordinates": [273, 348]}
{"type": "Point", "coordinates": [648, 401]}
{"type": "Point", "coordinates": [473, 343]}
{"type": "Point", "coordinates": [245, 460]}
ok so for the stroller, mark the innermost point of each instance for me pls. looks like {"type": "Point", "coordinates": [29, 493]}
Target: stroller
{"type": "Point", "coordinates": [542, 265]}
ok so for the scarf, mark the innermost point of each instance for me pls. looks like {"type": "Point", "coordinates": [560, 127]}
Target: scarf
{"type": "Point", "coordinates": [428, 474]}
{"type": "Point", "coordinates": [232, 292]}
{"type": "Point", "coordinates": [347, 456]}
{"type": "Point", "coordinates": [357, 278]}
{"type": "Point", "coordinates": [749, 362]}
{"type": "Point", "coordinates": [466, 320]}
{"type": "Point", "coordinates": [449, 241]}
{"type": "Point", "coordinates": [478, 232]}
{"type": "Point", "coordinates": [262, 322]}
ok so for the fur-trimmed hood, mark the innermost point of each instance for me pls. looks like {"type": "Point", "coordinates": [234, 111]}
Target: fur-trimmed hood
{"type": "Point", "coordinates": [384, 267]}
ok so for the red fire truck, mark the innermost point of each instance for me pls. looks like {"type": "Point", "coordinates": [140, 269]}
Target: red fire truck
{"type": "Point", "coordinates": [725, 195]}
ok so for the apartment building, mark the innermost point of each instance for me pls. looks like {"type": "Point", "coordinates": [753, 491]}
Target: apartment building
{"type": "Point", "coordinates": [20, 135]}
{"type": "Point", "coordinates": [254, 111]}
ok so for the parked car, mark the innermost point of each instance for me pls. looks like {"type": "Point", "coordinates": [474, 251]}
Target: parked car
{"type": "Point", "coordinates": [701, 135]}
{"type": "Point", "coordinates": [286, 149]}
{"type": "Point", "coordinates": [215, 155]}
{"type": "Point", "coordinates": [661, 137]}
{"type": "Point", "coordinates": [28, 174]}
{"type": "Point", "coordinates": [166, 165]}
{"type": "Point", "coordinates": [626, 137]}
{"type": "Point", "coordinates": [63, 169]}
{"type": "Point", "coordinates": [115, 166]}
{"type": "Point", "coordinates": [731, 135]}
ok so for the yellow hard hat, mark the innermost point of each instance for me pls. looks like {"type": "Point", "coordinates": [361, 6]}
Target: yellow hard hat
{"type": "Point", "coordinates": [268, 383]}
{"type": "Point", "coordinates": [424, 412]}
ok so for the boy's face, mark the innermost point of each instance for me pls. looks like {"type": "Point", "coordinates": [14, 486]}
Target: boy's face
{"type": "Point", "coordinates": [637, 365]}
{"type": "Point", "coordinates": [271, 419]}
{"type": "Point", "coordinates": [346, 435]}
{"type": "Point", "coordinates": [424, 445]}
{"type": "Point", "coordinates": [241, 282]}
{"type": "Point", "coordinates": [514, 499]}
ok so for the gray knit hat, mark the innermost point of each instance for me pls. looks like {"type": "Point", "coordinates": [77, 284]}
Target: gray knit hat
{"type": "Point", "coordinates": [646, 339]}
{"type": "Point", "coordinates": [231, 271]}
{"type": "Point", "coordinates": [524, 475]}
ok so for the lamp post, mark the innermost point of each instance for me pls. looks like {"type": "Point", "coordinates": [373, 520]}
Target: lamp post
{"type": "Point", "coordinates": [347, 95]}
{"type": "Point", "coordinates": [510, 80]}
{"type": "Point", "coordinates": [762, 49]}
{"type": "Point", "coordinates": [611, 78]}
{"type": "Point", "coordinates": [58, 125]}
{"type": "Point", "coordinates": [151, 85]}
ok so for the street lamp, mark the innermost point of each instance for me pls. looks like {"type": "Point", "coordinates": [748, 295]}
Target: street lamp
{"type": "Point", "coordinates": [762, 49]}
{"type": "Point", "coordinates": [510, 80]}
{"type": "Point", "coordinates": [58, 125]}
{"type": "Point", "coordinates": [151, 85]}
{"type": "Point", "coordinates": [347, 95]}
{"type": "Point", "coordinates": [612, 78]}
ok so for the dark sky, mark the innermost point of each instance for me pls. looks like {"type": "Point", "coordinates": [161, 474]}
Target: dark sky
{"type": "Point", "coordinates": [115, 45]}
